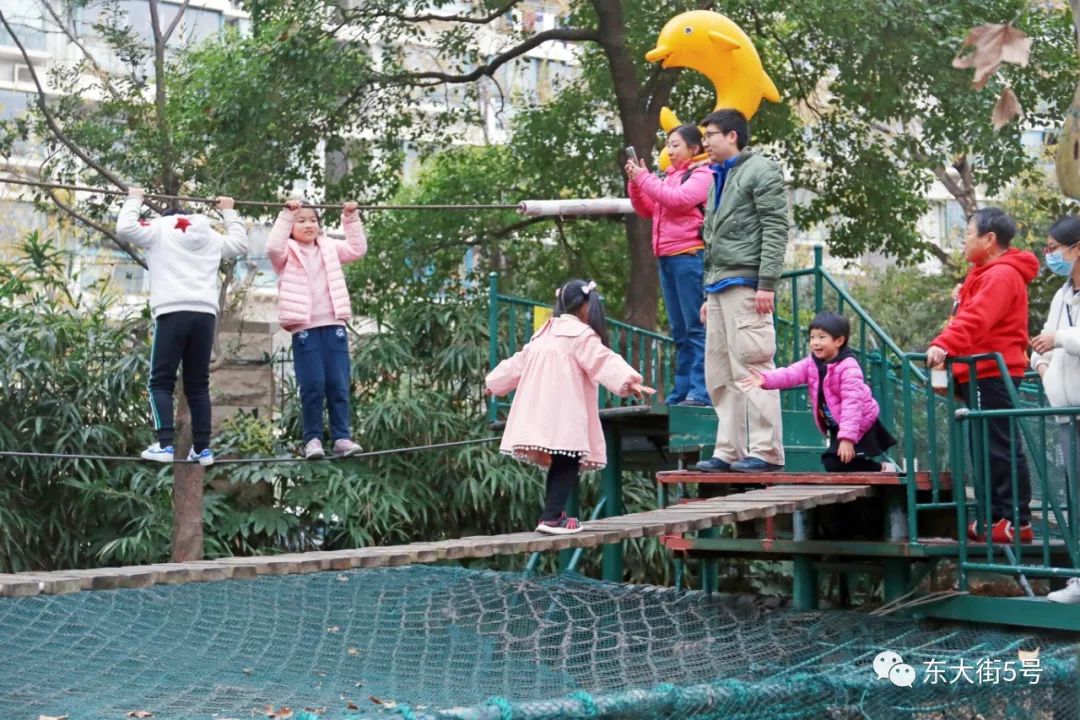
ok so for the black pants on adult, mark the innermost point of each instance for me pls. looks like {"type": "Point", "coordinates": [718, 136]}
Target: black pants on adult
{"type": "Point", "coordinates": [562, 478]}
{"type": "Point", "coordinates": [993, 395]}
{"type": "Point", "coordinates": [185, 338]}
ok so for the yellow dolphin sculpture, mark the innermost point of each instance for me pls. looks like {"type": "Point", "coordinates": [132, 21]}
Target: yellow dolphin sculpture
{"type": "Point", "coordinates": [717, 48]}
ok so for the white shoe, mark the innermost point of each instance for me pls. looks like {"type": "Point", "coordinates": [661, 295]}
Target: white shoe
{"type": "Point", "coordinates": [313, 450]}
{"type": "Point", "coordinates": [563, 526]}
{"type": "Point", "coordinates": [205, 458]}
{"type": "Point", "coordinates": [346, 448]}
{"type": "Point", "coordinates": [890, 467]}
{"type": "Point", "coordinates": [156, 453]}
{"type": "Point", "coordinates": [1068, 595]}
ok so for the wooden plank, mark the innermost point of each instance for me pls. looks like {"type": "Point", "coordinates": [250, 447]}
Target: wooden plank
{"type": "Point", "coordinates": [691, 477]}
{"type": "Point", "coordinates": [52, 583]}
{"type": "Point", "coordinates": [14, 585]}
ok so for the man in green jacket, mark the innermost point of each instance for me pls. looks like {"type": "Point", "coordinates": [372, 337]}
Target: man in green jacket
{"type": "Point", "coordinates": [746, 233]}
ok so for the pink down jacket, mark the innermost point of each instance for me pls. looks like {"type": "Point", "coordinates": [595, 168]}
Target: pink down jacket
{"type": "Point", "coordinates": [673, 205]}
{"type": "Point", "coordinates": [846, 393]}
{"type": "Point", "coordinates": [294, 294]}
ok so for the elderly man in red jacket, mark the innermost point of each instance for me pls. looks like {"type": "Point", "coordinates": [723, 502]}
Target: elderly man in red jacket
{"type": "Point", "coordinates": [992, 316]}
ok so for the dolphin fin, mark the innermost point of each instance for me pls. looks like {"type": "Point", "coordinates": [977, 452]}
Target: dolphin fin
{"type": "Point", "coordinates": [668, 120]}
{"type": "Point", "coordinates": [724, 42]}
{"type": "Point", "coordinates": [768, 88]}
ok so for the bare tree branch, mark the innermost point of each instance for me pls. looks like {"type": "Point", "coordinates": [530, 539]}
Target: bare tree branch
{"type": "Point", "coordinates": [170, 180]}
{"type": "Point", "coordinates": [99, 72]}
{"type": "Point", "coordinates": [175, 21]}
{"type": "Point", "coordinates": [42, 105]}
{"type": "Point", "coordinates": [126, 247]}
{"type": "Point", "coordinates": [417, 78]}
{"type": "Point", "coordinates": [484, 20]}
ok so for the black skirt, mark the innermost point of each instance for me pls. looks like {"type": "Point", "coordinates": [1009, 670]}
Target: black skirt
{"type": "Point", "coordinates": [876, 441]}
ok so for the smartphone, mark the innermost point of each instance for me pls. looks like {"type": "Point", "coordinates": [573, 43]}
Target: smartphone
{"type": "Point", "coordinates": [631, 154]}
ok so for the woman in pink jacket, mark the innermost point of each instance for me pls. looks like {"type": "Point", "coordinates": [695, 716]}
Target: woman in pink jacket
{"type": "Point", "coordinates": [844, 408]}
{"type": "Point", "coordinates": [554, 421]}
{"type": "Point", "coordinates": [676, 203]}
{"type": "Point", "coordinates": [313, 305]}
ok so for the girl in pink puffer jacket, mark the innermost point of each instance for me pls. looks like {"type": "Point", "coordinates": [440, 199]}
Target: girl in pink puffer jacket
{"type": "Point", "coordinates": [844, 408]}
{"type": "Point", "coordinates": [313, 305]}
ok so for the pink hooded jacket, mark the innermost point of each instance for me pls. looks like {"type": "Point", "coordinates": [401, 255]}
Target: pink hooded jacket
{"type": "Point", "coordinates": [673, 206]}
{"type": "Point", "coordinates": [294, 294]}
{"type": "Point", "coordinates": [846, 393]}
{"type": "Point", "coordinates": [556, 408]}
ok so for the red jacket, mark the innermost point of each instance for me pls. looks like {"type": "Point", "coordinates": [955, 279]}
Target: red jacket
{"type": "Point", "coordinates": [992, 315]}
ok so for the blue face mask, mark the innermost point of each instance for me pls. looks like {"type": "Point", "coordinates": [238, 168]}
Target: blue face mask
{"type": "Point", "coordinates": [1057, 264]}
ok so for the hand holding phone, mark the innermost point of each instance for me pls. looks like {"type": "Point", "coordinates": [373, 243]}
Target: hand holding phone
{"type": "Point", "coordinates": [631, 154]}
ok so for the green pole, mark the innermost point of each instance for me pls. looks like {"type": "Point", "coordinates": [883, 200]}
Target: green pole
{"type": "Point", "coordinates": [493, 336]}
{"type": "Point", "coordinates": [819, 281]}
{"type": "Point", "coordinates": [897, 570]}
{"type": "Point", "coordinates": [611, 490]}
{"type": "Point", "coordinates": [804, 594]}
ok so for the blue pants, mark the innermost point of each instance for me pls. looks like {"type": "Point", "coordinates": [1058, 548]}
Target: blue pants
{"type": "Point", "coordinates": [682, 282]}
{"type": "Point", "coordinates": [321, 362]}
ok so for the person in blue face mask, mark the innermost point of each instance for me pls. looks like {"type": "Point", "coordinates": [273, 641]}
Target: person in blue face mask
{"type": "Point", "coordinates": [1056, 357]}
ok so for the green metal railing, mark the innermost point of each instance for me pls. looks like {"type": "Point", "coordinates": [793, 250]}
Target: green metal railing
{"type": "Point", "coordinates": [510, 326]}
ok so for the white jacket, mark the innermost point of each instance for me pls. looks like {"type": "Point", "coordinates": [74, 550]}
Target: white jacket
{"type": "Point", "coordinates": [184, 254]}
{"type": "Point", "coordinates": [1062, 379]}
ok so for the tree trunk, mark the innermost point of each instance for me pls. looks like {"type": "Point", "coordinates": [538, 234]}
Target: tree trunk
{"type": "Point", "coordinates": [639, 124]}
{"type": "Point", "coordinates": [187, 536]}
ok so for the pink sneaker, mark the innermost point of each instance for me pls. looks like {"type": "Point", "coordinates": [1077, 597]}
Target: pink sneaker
{"type": "Point", "coordinates": [346, 448]}
{"type": "Point", "coordinates": [563, 526]}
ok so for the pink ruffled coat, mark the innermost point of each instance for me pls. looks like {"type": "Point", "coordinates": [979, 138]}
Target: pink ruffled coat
{"type": "Point", "coordinates": [846, 393]}
{"type": "Point", "coordinates": [294, 294]}
{"type": "Point", "coordinates": [556, 407]}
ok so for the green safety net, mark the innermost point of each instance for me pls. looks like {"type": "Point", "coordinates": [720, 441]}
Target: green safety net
{"type": "Point", "coordinates": [441, 642]}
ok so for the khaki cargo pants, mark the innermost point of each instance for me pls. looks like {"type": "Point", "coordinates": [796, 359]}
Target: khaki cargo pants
{"type": "Point", "coordinates": [737, 340]}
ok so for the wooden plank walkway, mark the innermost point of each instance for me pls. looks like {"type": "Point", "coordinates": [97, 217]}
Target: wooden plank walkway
{"type": "Point", "coordinates": [761, 503]}
{"type": "Point", "coordinates": [922, 479]}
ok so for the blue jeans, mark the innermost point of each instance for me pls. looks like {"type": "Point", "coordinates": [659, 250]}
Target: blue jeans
{"type": "Point", "coordinates": [682, 282]}
{"type": "Point", "coordinates": [321, 362]}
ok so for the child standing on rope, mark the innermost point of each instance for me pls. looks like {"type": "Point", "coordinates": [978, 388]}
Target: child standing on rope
{"type": "Point", "coordinates": [183, 254]}
{"type": "Point", "coordinates": [314, 305]}
{"type": "Point", "coordinates": [844, 408]}
{"type": "Point", "coordinates": [554, 421]}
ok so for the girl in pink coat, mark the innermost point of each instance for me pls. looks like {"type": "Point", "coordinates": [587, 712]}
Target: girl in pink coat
{"type": "Point", "coordinates": [554, 421]}
{"type": "Point", "coordinates": [313, 305]}
{"type": "Point", "coordinates": [844, 408]}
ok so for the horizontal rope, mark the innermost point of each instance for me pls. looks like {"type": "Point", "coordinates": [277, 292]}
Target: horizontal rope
{"type": "Point", "coordinates": [245, 461]}
{"type": "Point", "coordinates": [253, 203]}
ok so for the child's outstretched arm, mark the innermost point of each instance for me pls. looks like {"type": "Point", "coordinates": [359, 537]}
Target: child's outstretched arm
{"type": "Point", "coordinates": [129, 227]}
{"type": "Point", "coordinates": [793, 375]}
{"type": "Point", "coordinates": [606, 367]}
{"type": "Point", "coordinates": [234, 242]}
{"type": "Point", "coordinates": [507, 374]}
{"type": "Point", "coordinates": [355, 245]}
{"type": "Point", "coordinates": [277, 243]}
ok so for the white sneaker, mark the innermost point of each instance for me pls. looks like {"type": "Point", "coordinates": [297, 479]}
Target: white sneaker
{"type": "Point", "coordinates": [156, 453]}
{"type": "Point", "coordinates": [890, 467]}
{"type": "Point", "coordinates": [205, 458]}
{"type": "Point", "coordinates": [346, 448]}
{"type": "Point", "coordinates": [1068, 595]}
{"type": "Point", "coordinates": [313, 450]}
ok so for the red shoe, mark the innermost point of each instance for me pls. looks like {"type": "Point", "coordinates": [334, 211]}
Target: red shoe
{"type": "Point", "coordinates": [1002, 532]}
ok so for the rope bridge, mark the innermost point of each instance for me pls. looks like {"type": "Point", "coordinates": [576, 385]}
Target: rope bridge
{"type": "Point", "coordinates": [674, 520]}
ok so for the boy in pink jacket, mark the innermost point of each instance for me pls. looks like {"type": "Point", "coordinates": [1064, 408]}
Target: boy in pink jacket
{"type": "Point", "coordinates": [314, 305]}
{"type": "Point", "coordinates": [844, 408]}
{"type": "Point", "coordinates": [554, 421]}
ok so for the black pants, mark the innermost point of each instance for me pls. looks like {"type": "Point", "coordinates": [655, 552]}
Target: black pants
{"type": "Point", "coordinates": [993, 395]}
{"type": "Point", "coordinates": [561, 480]}
{"type": "Point", "coordinates": [188, 338]}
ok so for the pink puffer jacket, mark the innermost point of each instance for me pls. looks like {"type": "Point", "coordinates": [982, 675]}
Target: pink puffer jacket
{"type": "Point", "coordinates": [673, 205]}
{"type": "Point", "coordinates": [294, 293]}
{"type": "Point", "coordinates": [846, 393]}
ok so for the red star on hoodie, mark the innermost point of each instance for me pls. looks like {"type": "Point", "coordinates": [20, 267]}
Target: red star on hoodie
{"type": "Point", "coordinates": [182, 223]}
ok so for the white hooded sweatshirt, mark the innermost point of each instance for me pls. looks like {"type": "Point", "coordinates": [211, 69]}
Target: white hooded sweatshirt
{"type": "Point", "coordinates": [1062, 379]}
{"type": "Point", "coordinates": [184, 254]}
